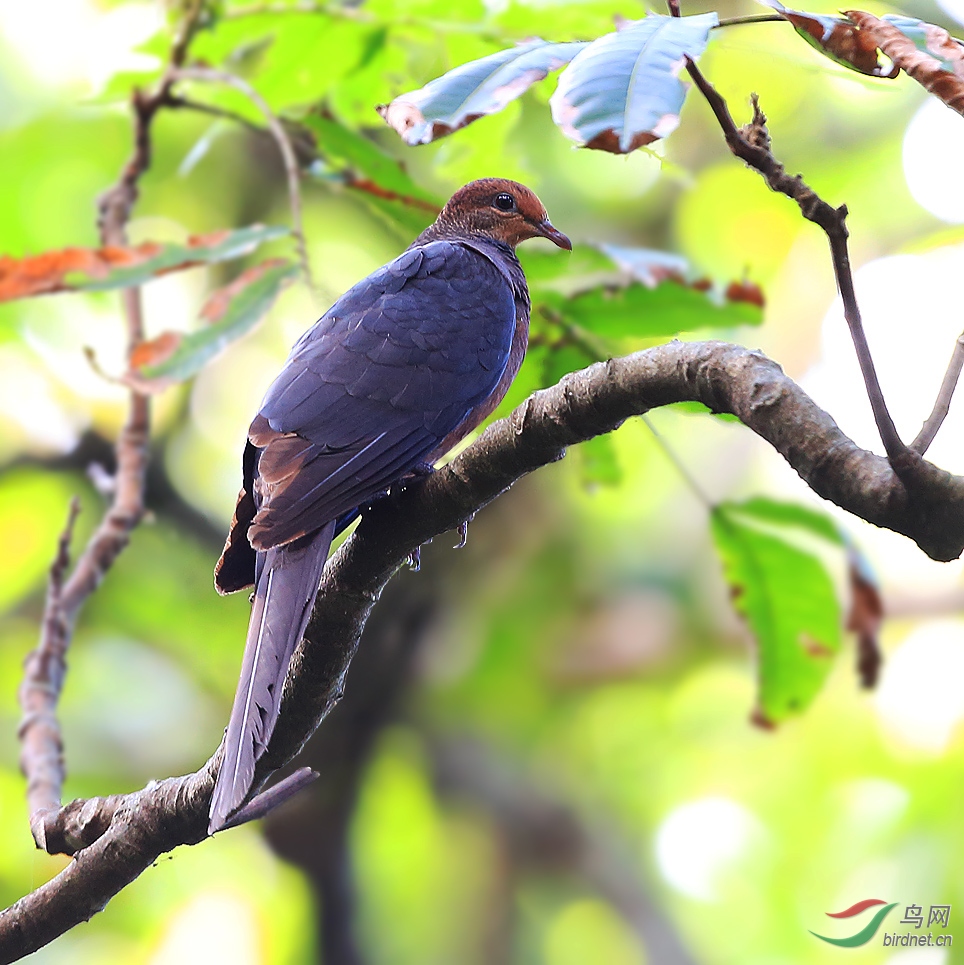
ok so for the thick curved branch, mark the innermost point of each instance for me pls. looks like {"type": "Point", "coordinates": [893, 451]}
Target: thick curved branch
{"type": "Point", "coordinates": [129, 832]}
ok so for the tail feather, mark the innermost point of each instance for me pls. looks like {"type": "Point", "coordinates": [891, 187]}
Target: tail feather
{"type": "Point", "coordinates": [285, 589]}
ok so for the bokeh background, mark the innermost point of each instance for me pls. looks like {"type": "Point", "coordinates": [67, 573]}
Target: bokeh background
{"type": "Point", "coordinates": [545, 755]}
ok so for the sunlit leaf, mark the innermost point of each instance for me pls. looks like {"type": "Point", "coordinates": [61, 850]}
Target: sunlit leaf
{"type": "Point", "coordinates": [230, 313]}
{"type": "Point", "coordinates": [366, 167]}
{"type": "Point", "coordinates": [473, 90]}
{"type": "Point", "coordinates": [837, 39]}
{"type": "Point", "coordinates": [642, 312]}
{"type": "Point", "coordinates": [623, 90]}
{"type": "Point", "coordinates": [97, 269]}
{"type": "Point", "coordinates": [925, 51]}
{"type": "Point", "coordinates": [776, 512]}
{"type": "Point", "coordinates": [788, 600]}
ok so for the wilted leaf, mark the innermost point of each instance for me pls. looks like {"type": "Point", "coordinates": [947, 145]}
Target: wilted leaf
{"type": "Point", "coordinates": [745, 291]}
{"type": "Point", "coordinates": [97, 269]}
{"type": "Point", "coordinates": [789, 603]}
{"type": "Point", "coordinates": [623, 90]}
{"type": "Point", "coordinates": [364, 166]}
{"type": "Point", "coordinates": [927, 52]}
{"type": "Point", "coordinates": [473, 90]}
{"type": "Point", "coordinates": [837, 39]}
{"type": "Point", "coordinates": [230, 312]}
{"type": "Point", "coordinates": [637, 311]}
{"type": "Point", "coordinates": [865, 617]}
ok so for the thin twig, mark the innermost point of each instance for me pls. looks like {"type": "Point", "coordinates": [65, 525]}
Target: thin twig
{"type": "Point", "coordinates": [943, 403]}
{"type": "Point", "coordinates": [679, 465]}
{"type": "Point", "coordinates": [41, 745]}
{"type": "Point", "coordinates": [208, 75]}
{"type": "Point", "coordinates": [187, 103]}
{"type": "Point", "coordinates": [752, 145]}
{"type": "Point", "coordinates": [350, 178]}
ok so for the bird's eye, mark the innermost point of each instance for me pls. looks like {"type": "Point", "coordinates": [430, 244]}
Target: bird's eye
{"type": "Point", "coordinates": [504, 202]}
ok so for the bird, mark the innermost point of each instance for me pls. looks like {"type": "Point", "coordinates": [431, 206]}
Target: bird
{"type": "Point", "coordinates": [402, 367]}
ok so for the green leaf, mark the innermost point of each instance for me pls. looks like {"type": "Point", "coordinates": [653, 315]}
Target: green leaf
{"type": "Point", "coordinates": [598, 462]}
{"type": "Point", "coordinates": [560, 361]}
{"type": "Point", "coordinates": [549, 269]}
{"type": "Point", "coordinates": [789, 602]}
{"type": "Point", "coordinates": [474, 90]}
{"type": "Point", "coordinates": [638, 311]}
{"type": "Point", "coordinates": [345, 149]}
{"type": "Point", "coordinates": [230, 313]}
{"type": "Point", "coordinates": [816, 522]}
{"type": "Point", "coordinates": [623, 90]}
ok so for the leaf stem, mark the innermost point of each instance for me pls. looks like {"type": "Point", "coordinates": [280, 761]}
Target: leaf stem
{"type": "Point", "coordinates": [758, 18]}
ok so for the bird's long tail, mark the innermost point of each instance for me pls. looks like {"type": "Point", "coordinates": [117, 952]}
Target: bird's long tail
{"type": "Point", "coordinates": [286, 584]}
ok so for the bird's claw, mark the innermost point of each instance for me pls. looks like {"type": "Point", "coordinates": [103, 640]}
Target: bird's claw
{"type": "Point", "coordinates": [415, 559]}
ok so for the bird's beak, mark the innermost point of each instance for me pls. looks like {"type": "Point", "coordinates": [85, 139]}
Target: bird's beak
{"type": "Point", "coordinates": [546, 230]}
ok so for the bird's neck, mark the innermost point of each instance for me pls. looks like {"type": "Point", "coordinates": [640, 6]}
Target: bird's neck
{"type": "Point", "coordinates": [502, 255]}
{"type": "Point", "coordinates": [442, 231]}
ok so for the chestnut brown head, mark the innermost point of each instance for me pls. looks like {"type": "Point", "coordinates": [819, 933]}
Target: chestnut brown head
{"type": "Point", "coordinates": [501, 209]}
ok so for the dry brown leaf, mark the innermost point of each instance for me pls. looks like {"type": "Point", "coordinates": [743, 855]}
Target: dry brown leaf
{"type": "Point", "coordinates": [939, 67]}
{"type": "Point", "coordinates": [40, 274]}
{"type": "Point", "coordinates": [155, 350]}
{"type": "Point", "coordinates": [837, 39]}
{"type": "Point", "coordinates": [91, 269]}
{"type": "Point", "coordinates": [865, 619]}
{"type": "Point", "coordinates": [745, 291]}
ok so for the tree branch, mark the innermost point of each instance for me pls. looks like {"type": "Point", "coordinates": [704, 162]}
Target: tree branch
{"type": "Point", "coordinates": [41, 756]}
{"type": "Point", "coordinates": [128, 832]}
{"type": "Point", "coordinates": [942, 404]}
{"type": "Point", "coordinates": [752, 145]}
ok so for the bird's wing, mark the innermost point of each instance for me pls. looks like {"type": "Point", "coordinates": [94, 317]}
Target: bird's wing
{"type": "Point", "coordinates": [389, 371]}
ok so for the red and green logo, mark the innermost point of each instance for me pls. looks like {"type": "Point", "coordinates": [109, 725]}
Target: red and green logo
{"type": "Point", "coordinates": [865, 933]}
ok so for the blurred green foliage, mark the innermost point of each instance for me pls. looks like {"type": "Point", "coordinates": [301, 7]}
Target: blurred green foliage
{"type": "Point", "coordinates": [586, 639]}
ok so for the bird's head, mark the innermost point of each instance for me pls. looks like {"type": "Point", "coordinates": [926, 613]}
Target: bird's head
{"type": "Point", "coordinates": [500, 209]}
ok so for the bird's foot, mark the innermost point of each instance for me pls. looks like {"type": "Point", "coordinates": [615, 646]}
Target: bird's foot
{"type": "Point", "coordinates": [420, 470]}
{"type": "Point", "coordinates": [415, 559]}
